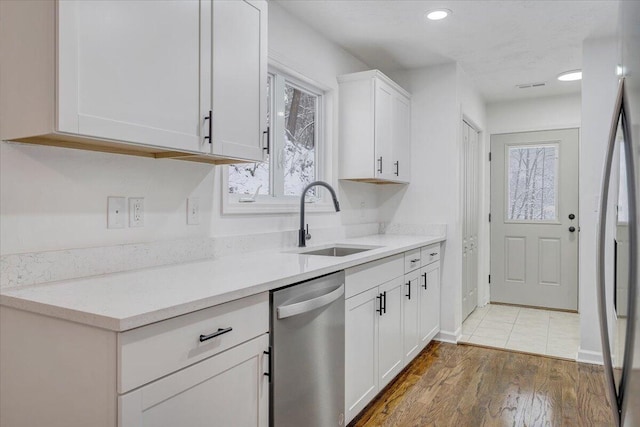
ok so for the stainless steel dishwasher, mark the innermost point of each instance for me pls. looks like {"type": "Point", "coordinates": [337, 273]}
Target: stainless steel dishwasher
{"type": "Point", "coordinates": [307, 345]}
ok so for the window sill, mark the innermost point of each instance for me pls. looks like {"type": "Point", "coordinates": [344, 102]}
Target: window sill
{"type": "Point", "coordinates": [232, 207]}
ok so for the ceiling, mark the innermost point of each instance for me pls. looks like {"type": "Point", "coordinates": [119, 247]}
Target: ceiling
{"type": "Point", "coordinates": [500, 44]}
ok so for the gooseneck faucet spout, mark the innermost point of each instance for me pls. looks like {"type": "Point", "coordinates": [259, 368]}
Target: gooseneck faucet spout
{"type": "Point", "coordinates": [303, 234]}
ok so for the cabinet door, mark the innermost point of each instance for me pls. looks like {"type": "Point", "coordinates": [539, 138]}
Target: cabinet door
{"type": "Point", "coordinates": [384, 167]}
{"type": "Point", "coordinates": [239, 78]}
{"type": "Point", "coordinates": [390, 349]}
{"type": "Point", "coordinates": [130, 71]}
{"type": "Point", "coordinates": [229, 389]}
{"type": "Point", "coordinates": [361, 351]}
{"type": "Point", "coordinates": [411, 339]}
{"type": "Point", "coordinates": [401, 138]}
{"type": "Point", "coordinates": [429, 302]}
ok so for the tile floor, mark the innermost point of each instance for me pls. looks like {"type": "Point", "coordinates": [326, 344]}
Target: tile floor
{"type": "Point", "coordinates": [551, 333]}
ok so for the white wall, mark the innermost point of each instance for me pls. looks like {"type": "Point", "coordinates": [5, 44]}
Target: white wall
{"type": "Point", "coordinates": [551, 112]}
{"type": "Point", "coordinates": [440, 96]}
{"type": "Point", "coordinates": [54, 198]}
{"type": "Point", "coordinates": [599, 59]}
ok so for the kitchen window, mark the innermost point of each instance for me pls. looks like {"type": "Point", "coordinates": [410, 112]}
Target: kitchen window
{"type": "Point", "coordinates": [295, 119]}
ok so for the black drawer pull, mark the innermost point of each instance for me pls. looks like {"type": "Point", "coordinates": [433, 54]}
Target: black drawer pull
{"type": "Point", "coordinates": [433, 253]}
{"type": "Point", "coordinates": [217, 333]}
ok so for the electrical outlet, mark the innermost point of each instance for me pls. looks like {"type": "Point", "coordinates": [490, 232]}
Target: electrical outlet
{"type": "Point", "coordinates": [136, 211]}
{"type": "Point", "coordinates": [193, 211]}
{"type": "Point", "coordinates": [116, 211]}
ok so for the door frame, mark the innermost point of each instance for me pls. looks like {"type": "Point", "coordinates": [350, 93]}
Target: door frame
{"type": "Point", "coordinates": [487, 189]}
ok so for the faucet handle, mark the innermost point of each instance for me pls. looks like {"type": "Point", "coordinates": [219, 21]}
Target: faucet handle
{"type": "Point", "coordinates": [307, 236]}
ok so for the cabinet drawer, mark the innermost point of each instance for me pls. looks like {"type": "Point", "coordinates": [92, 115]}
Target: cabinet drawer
{"type": "Point", "coordinates": [412, 260]}
{"type": "Point", "coordinates": [366, 276]}
{"type": "Point", "coordinates": [430, 253]}
{"type": "Point", "coordinates": [153, 351]}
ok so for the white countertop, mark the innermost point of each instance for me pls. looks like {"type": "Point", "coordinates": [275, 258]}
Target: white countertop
{"type": "Point", "coordinates": [128, 300]}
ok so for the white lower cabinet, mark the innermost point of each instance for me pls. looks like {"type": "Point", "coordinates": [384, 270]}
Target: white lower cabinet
{"type": "Point", "coordinates": [204, 368]}
{"type": "Point", "coordinates": [392, 312]}
{"type": "Point", "coordinates": [390, 360]}
{"type": "Point", "coordinates": [410, 313]}
{"type": "Point", "coordinates": [229, 389]}
{"type": "Point", "coordinates": [429, 302]}
{"type": "Point", "coordinates": [361, 351]}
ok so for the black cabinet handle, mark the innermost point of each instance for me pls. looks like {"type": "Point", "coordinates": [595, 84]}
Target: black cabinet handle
{"type": "Point", "coordinates": [408, 295]}
{"type": "Point", "coordinates": [425, 280]}
{"type": "Point", "coordinates": [384, 297]}
{"type": "Point", "coordinates": [268, 374]}
{"type": "Point", "coordinates": [572, 229]}
{"type": "Point", "coordinates": [433, 253]}
{"type": "Point", "coordinates": [397, 168]}
{"type": "Point", "coordinates": [268, 147]}
{"type": "Point", "coordinates": [380, 164]}
{"type": "Point", "coordinates": [381, 309]}
{"type": "Point", "coordinates": [217, 333]}
{"type": "Point", "coordinates": [210, 118]}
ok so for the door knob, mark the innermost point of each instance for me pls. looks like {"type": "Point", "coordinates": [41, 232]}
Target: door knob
{"type": "Point", "coordinates": [572, 229]}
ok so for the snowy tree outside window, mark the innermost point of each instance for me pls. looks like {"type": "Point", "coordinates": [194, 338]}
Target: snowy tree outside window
{"type": "Point", "coordinates": [532, 183]}
{"type": "Point", "coordinates": [294, 126]}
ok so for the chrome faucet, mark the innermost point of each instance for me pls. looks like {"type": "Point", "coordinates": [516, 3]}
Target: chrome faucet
{"type": "Point", "coordinates": [303, 235]}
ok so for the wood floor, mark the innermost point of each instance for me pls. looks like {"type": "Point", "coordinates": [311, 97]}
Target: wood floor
{"type": "Point", "coordinates": [468, 386]}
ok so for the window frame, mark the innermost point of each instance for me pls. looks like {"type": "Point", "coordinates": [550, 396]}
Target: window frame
{"type": "Point", "coordinates": [276, 201]}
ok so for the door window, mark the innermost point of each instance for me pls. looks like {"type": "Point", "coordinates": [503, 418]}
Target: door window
{"type": "Point", "coordinates": [532, 183]}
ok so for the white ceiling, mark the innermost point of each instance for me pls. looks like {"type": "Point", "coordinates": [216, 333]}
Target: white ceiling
{"type": "Point", "coordinates": [500, 44]}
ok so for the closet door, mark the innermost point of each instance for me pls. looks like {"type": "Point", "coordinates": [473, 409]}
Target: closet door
{"type": "Point", "coordinates": [470, 220]}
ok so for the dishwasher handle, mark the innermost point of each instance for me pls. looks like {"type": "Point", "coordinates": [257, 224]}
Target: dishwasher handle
{"type": "Point", "coordinates": [302, 307]}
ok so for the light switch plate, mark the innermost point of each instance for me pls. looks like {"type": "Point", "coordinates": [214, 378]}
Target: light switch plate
{"type": "Point", "coordinates": [136, 211]}
{"type": "Point", "coordinates": [193, 211]}
{"type": "Point", "coordinates": [116, 212]}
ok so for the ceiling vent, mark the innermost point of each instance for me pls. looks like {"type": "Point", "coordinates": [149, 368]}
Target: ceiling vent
{"type": "Point", "coordinates": [530, 85]}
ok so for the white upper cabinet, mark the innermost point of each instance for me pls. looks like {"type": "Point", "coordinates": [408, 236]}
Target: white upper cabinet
{"type": "Point", "coordinates": [374, 128]}
{"type": "Point", "coordinates": [401, 151]}
{"type": "Point", "coordinates": [240, 79]}
{"type": "Point", "coordinates": [130, 71]}
{"type": "Point", "coordinates": [175, 78]}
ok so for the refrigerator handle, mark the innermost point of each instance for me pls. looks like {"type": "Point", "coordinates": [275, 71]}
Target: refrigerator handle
{"type": "Point", "coordinates": [600, 265]}
{"type": "Point", "coordinates": [630, 334]}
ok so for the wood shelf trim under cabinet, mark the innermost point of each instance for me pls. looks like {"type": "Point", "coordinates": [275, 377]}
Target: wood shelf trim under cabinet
{"type": "Point", "coordinates": [374, 181]}
{"type": "Point", "coordinates": [118, 147]}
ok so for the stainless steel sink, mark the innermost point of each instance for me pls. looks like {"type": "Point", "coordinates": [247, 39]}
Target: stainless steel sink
{"type": "Point", "coordinates": [337, 251]}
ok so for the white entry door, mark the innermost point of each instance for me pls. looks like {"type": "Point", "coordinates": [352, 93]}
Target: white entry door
{"type": "Point", "coordinates": [534, 224]}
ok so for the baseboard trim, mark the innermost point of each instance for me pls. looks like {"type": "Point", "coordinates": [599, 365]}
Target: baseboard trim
{"type": "Point", "coordinates": [450, 337]}
{"type": "Point", "coordinates": [587, 356]}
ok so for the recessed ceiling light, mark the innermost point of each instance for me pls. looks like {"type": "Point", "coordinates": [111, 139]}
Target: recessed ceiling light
{"type": "Point", "coordinates": [570, 76]}
{"type": "Point", "coordinates": [438, 14]}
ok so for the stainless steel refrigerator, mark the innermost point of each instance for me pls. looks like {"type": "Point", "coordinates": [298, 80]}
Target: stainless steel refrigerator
{"type": "Point", "coordinates": [619, 301]}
